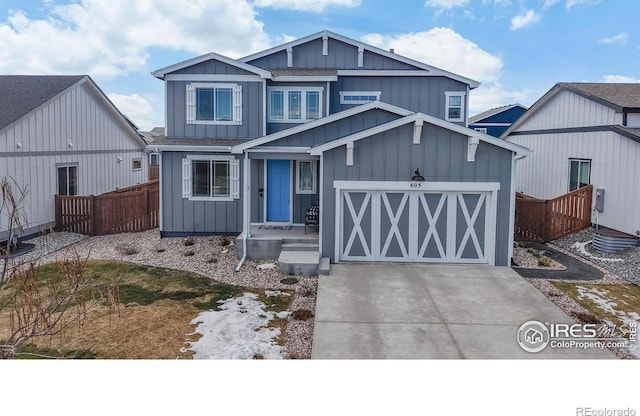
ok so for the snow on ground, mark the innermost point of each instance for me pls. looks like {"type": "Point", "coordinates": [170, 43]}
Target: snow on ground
{"type": "Point", "coordinates": [630, 319]}
{"type": "Point", "coordinates": [237, 331]}
{"type": "Point", "coordinates": [580, 247]}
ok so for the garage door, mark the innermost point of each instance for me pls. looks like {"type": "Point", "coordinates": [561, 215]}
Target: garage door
{"type": "Point", "coordinates": [439, 222]}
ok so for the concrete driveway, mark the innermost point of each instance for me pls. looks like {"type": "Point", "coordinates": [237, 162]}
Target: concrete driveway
{"type": "Point", "coordinates": [387, 310]}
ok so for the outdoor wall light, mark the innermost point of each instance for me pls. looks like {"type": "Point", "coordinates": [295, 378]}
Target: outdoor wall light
{"type": "Point", "coordinates": [120, 159]}
{"type": "Point", "coordinates": [70, 145]}
{"type": "Point", "coordinates": [18, 145]}
{"type": "Point", "coordinates": [417, 177]}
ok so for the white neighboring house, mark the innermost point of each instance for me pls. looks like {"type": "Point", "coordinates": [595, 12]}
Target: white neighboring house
{"type": "Point", "coordinates": [62, 135]}
{"type": "Point", "coordinates": [584, 133]}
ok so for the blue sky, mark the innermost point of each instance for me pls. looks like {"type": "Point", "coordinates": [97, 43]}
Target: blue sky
{"type": "Point", "coordinates": [518, 49]}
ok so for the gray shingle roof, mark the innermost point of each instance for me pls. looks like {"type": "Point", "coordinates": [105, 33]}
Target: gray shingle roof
{"type": "Point", "coordinates": [19, 94]}
{"type": "Point", "coordinates": [620, 95]}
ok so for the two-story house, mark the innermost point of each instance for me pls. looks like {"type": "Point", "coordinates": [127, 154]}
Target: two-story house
{"type": "Point", "coordinates": [376, 140]}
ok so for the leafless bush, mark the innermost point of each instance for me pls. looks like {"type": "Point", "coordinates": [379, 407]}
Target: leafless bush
{"type": "Point", "coordinates": [302, 314]}
{"type": "Point", "coordinates": [127, 249]}
{"type": "Point", "coordinates": [189, 241]}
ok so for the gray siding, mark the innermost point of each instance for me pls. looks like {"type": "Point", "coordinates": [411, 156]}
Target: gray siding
{"type": "Point", "coordinates": [213, 67]}
{"type": "Point", "coordinates": [337, 129]}
{"type": "Point", "coordinates": [251, 126]}
{"type": "Point", "coordinates": [419, 94]}
{"type": "Point", "coordinates": [441, 157]}
{"type": "Point", "coordinates": [341, 56]}
{"type": "Point", "coordinates": [179, 215]}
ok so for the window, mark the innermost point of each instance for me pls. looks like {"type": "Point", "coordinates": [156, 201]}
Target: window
{"type": "Point", "coordinates": [137, 164]}
{"type": "Point", "coordinates": [154, 159]}
{"type": "Point", "coordinates": [211, 103]}
{"type": "Point", "coordinates": [67, 180]}
{"type": "Point", "coordinates": [306, 177]}
{"type": "Point", "coordinates": [214, 178]}
{"type": "Point", "coordinates": [359, 97]}
{"type": "Point", "coordinates": [294, 105]}
{"type": "Point", "coordinates": [481, 130]}
{"type": "Point", "coordinates": [579, 173]}
{"type": "Point", "coordinates": [454, 110]}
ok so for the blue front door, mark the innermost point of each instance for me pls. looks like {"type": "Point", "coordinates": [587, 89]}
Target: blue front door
{"type": "Point", "coordinates": [278, 188]}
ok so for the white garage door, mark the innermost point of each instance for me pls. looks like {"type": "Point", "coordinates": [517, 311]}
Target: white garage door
{"type": "Point", "coordinates": [416, 221]}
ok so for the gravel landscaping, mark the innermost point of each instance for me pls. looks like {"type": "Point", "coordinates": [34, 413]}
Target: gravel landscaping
{"type": "Point", "coordinates": [213, 257]}
{"type": "Point", "coordinates": [628, 268]}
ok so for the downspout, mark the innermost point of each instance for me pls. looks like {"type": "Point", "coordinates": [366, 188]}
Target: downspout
{"type": "Point", "coordinates": [245, 204]}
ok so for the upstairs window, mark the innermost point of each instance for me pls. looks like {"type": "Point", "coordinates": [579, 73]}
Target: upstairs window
{"type": "Point", "coordinates": [294, 105]}
{"type": "Point", "coordinates": [359, 97]}
{"type": "Point", "coordinates": [454, 110]}
{"type": "Point", "coordinates": [579, 173]}
{"type": "Point", "coordinates": [213, 103]}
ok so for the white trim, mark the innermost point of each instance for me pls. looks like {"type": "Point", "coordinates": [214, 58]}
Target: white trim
{"type": "Point", "coordinates": [279, 149]}
{"type": "Point", "coordinates": [289, 57]}
{"type": "Point", "coordinates": [192, 104]}
{"type": "Point", "coordinates": [431, 70]}
{"type": "Point", "coordinates": [447, 105]}
{"type": "Point", "coordinates": [320, 122]}
{"type": "Point", "coordinates": [325, 45]}
{"type": "Point", "coordinates": [350, 154]}
{"type": "Point", "coordinates": [264, 106]}
{"type": "Point", "coordinates": [472, 146]}
{"type": "Point", "coordinates": [400, 186]}
{"type": "Point", "coordinates": [303, 104]}
{"type": "Point", "coordinates": [384, 73]}
{"type": "Point", "coordinates": [328, 96]}
{"type": "Point", "coordinates": [321, 204]}
{"type": "Point", "coordinates": [160, 202]}
{"type": "Point", "coordinates": [314, 169]}
{"type": "Point", "coordinates": [162, 72]}
{"type": "Point", "coordinates": [512, 210]}
{"type": "Point", "coordinates": [213, 78]}
{"type": "Point", "coordinates": [133, 161]}
{"type": "Point", "coordinates": [417, 131]}
{"type": "Point", "coordinates": [191, 148]}
{"type": "Point", "coordinates": [305, 78]}
{"type": "Point", "coordinates": [489, 124]}
{"type": "Point", "coordinates": [209, 158]}
{"type": "Point", "coordinates": [519, 150]}
{"type": "Point", "coordinates": [376, 94]}
{"type": "Point", "coordinates": [360, 57]}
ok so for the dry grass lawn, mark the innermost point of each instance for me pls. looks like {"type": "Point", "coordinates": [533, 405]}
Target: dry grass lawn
{"type": "Point", "coordinates": [152, 320]}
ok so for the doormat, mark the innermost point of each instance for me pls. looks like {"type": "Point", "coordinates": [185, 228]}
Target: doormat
{"type": "Point", "coordinates": [274, 227]}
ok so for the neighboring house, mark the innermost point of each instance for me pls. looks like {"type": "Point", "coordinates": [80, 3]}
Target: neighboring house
{"type": "Point", "coordinates": [495, 121]}
{"type": "Point", "coordinates": [330, 121]}
{"type": "Point", "coordinates": [62, 135]}
{"type": "Point", "coordinates": [584, 133]}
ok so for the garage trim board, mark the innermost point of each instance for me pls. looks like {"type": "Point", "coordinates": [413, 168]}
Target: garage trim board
{"type": "Point", "coordinates": [445, 222]}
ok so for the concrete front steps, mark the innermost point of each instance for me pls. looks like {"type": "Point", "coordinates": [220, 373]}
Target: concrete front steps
{"type": "Point", "coordinates": [302, 259]}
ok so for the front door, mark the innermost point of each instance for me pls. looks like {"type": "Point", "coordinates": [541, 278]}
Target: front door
{"type": "Point", "coordinates": [278, 190]}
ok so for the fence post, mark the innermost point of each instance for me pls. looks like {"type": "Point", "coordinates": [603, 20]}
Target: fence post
{"type": "Point", "coordinates": [547, 220]}
{"type": "Point", "coordinates": [58, 212]}
{"type": "Point", "coordinates": [94, 215]}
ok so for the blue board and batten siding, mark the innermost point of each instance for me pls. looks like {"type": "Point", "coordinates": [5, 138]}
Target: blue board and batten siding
{"type": "Point", "coordinates": [441, 157]}
{"type": "Point", "coordinates": [506, 117]}
{"type": "Point", "coordinates": [180, 216]}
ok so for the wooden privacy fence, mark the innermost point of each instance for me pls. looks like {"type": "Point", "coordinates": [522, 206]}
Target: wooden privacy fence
{"type": "Point", "coordinates": [131, 209]}
{"type": "Point", "coordinates": [154, 172]}
{"type": "Point", "coordinates": [546, 220]}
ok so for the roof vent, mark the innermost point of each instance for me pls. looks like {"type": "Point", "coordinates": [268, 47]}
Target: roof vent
{"type": "Point", "coordinates": [392, 50]}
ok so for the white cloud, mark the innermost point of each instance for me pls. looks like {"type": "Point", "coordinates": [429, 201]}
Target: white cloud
{"type": "Point", "coordinates": [442, 48]}
{"type": "Point", "coordinates": [306, 5]}
{"type": "Point", "coordinates": [136, 108]}
{"type": "Point", "coordinates": [112, 37]}
{"type": "Point", "coordinates": [446, 4]}
{"type": "Point", "coordinates": [571, 3]}
{"type": "Point", "coordinates": [620, 38]}
{"type": "Point", "coordinates": [525, 20]}
{"type": "Point", "coordinates": [549, 3]}
{"type": "Point", "coordinates": [493, 95]}
{"type": "Point", "coordinates": [620, 79]}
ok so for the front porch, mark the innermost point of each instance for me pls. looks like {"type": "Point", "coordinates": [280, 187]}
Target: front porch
{"type": "Point", "coordinates": [297, 251]}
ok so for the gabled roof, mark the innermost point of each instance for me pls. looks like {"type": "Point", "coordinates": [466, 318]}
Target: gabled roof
{"type": "Point", "coordinates": [520, 151]}
{"type": "Point", "coordinates": [420, 65]}
{"type": "Point", "coordinates": [494, 111]}
{"type": "Point", "coordinates": [20, 94]}
{"type": "Point", "coordinates": [320, 122]}
{"type": "Point", "coordinates": [620, 97]}
{"type": "Point", "coordinates": [160, 73]}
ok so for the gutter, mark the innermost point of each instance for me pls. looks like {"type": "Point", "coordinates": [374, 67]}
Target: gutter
{"type": "Point", "coordinates": [245, 204]}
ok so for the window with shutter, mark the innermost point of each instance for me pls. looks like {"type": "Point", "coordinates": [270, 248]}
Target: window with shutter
{"type": "Point", "coordinates": [213, 103]}
{"type": "Point", "coordinates": [210, 178]}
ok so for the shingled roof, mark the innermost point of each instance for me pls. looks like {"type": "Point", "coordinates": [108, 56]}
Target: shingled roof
{"type": "Point", "coordinates": [623, 96]}
{"type": "Point", "coordinates": [20, 94]}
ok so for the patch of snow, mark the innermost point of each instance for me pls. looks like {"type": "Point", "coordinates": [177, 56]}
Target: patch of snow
{"type": "Point", "coordinates": [224, 251]}
{"type": "Point", "coordinates": [580, 247]}
{"type": "Point", "coordinates": [270, 293]}
{"type": "Point", "coordinates": [266, 266]}
{"type": "Point", "coordinates": [237, 331]}
{"type": "Point", "coordinates": [283, 314]}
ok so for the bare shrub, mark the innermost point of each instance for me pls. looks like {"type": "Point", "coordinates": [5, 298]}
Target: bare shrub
{"type": "Point", "coordinates": [127, 249]}
{"type": "Point", "coordinates": [189, 253]}
{"type": "Point", "coordinates": [302, 314]}
{"type": "Point", "coordinates": [189, 241]}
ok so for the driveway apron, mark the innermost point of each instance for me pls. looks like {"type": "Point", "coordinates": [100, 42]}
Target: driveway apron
{"type": "Point", "coordinates": [419, 311]}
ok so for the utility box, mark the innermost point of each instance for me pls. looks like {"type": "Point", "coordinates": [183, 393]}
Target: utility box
{"type": "Point", "coordinates": [599, 199]}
